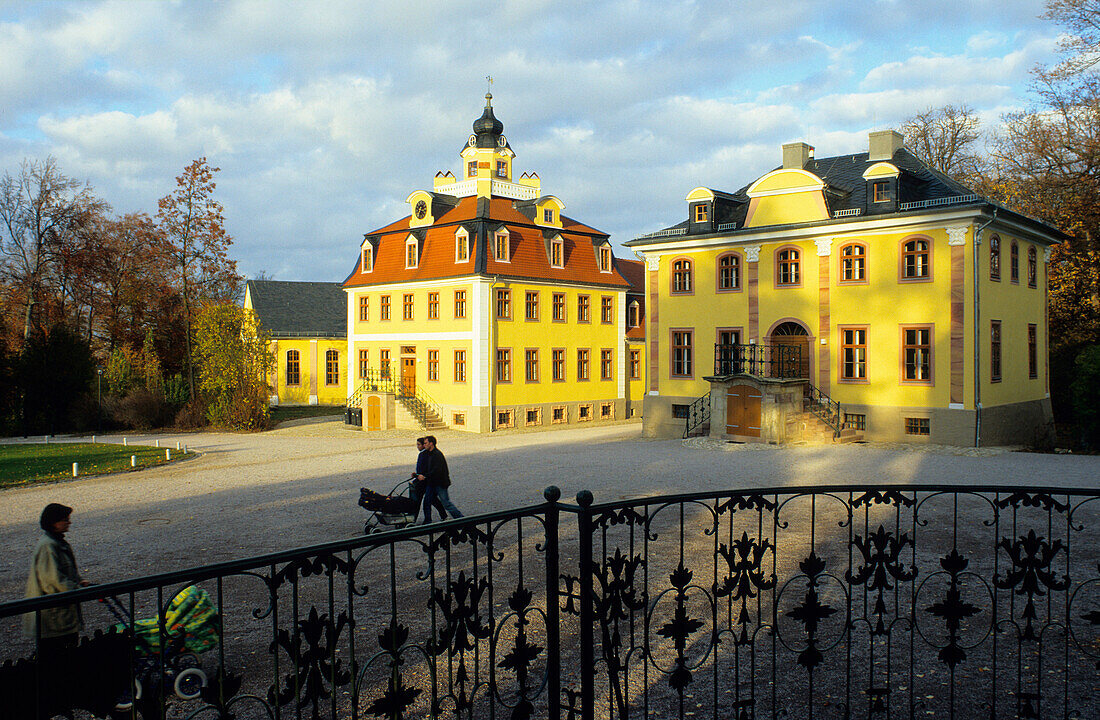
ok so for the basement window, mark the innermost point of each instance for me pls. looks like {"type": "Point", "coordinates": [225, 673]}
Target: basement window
{"type": "Point", "coordinates": [917, 426]}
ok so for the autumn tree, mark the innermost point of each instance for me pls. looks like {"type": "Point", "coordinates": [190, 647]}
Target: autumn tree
{"type": "Point", "coordinates": [41, 213]}
{"type": "Point", "coordinates": [234, 359]}
{"type": "Point", "coordinates": [193, 227]}
{"type": "Point", "coordinates": [944, 138]}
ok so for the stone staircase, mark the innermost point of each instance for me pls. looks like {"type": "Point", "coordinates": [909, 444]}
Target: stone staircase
{"type": "Point", "coordinates": [408, 411]}
{"type": "Point", "coordinates": [807, 427]}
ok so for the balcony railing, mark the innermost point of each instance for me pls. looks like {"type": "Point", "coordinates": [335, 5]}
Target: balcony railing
{"type": "Point", "coordinates": [880, 601]}
{"type": "Point", "coordinates": [768, 361]}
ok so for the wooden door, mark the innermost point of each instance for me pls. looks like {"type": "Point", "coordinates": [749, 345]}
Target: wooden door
{"type": "Point", "coordinates": [408, 376]}
{"type": "Point", "coordinates": [743, 410]}
{"type": "Point", "coordinates": [374, 413]}
{"type": "Point", "coordinates": [801, 345]}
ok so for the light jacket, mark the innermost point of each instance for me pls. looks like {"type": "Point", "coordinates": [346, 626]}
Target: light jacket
{"type": "Point", "coordinates": [53, 570]}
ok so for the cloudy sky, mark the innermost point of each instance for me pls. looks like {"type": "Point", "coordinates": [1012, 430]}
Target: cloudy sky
{"type": "Point", "coordinates": [323, 116]}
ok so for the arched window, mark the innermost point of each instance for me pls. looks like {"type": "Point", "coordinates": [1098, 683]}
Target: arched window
{"type": "Point", "coordinates": [853, 263]}
{"type": "Point", "coordinates": [729, 272]}
{"type": "Point", "coordinates": [916, 259]}
{"type": "Point", "coordinates": [788, 269]}
{"type": "Point", "coordinates": [995, 257]}
{"type": "Point", "coordinates": [682, 276]}
{"type": "Point", "coordinates": [1014, 262]}
{"type": "Point", "coordinates": [332, 367]}
{"type": "Point", "coordinates": [293, 368]}
{"type": "Point", "coordinates": [1032, 267]}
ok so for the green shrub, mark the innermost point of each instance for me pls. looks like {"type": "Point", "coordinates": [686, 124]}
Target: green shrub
{"type": "Point", "coordinates": [1086, 395]}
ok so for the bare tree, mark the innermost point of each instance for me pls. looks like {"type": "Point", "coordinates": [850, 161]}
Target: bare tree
{"type": "Point", "coordinates": [41, 211]}
{"type": "Point", "coordinates": [1081, 44]}
{"type": "Point", "coordinates": [944, 138]}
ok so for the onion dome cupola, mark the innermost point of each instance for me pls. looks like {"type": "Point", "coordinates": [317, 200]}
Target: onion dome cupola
{"type": "Point", "coordinates": [487, 129]}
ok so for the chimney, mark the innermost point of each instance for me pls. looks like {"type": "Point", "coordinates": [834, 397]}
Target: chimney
{"type": "Point", "coordinates": [796, 155]}
{"type": "Point", "coordinates": [883, 144]}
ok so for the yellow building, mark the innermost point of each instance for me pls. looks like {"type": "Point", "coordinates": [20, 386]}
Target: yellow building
{"type": "Point", "coordinates": [486, 307]}
{"type": "Point", "coordinates": [308, 337]}
{"type": "Point", "coordinates": [884, 297]}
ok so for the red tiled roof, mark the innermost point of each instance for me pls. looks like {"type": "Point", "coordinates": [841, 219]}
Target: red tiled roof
{"type": "Point", "coordinates": [633, 271]}
{"type": "Point", "coordinates": [528, 258]}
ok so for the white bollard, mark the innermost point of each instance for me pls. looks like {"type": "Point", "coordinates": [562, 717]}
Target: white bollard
{"type": "Point", "coordinates": [133, 461]}
{"type": "Point", "coordinates": [46, 439]}
{"type": "Point", "coordinates": [177, 444]}
{"type": "Point", "coordinates": [76, 469]}
{"type": "Point", "coordinates": [158, 443]}
{"type": "Point", "coordinates": [124, 442]}
{"type": "Point", "coordinates": [93, 439]}
{"type": "Point", "coordinates": [184, 449]}
{"type": "Point", "coordinates": [167, 453]}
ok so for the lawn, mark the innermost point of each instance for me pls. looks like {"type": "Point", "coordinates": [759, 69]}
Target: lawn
{"type": "Point", "coordinates": [282, 413]}
{"type": "Point", "coordinates": [27, 463]}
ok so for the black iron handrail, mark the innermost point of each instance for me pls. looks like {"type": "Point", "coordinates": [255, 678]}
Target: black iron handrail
{"type": "Point", "coordinates": [698, 415]}
{"type": "Point", "coordinates": [374, 380]}
{"type": "Point", "coordinates": [421, 405]}
{"type": "Point", "coordinates": [768, 361]}
{"type": "Point", "coordinates": [884, 600]}
{"type": "Point", "coordinates": [825, 408]}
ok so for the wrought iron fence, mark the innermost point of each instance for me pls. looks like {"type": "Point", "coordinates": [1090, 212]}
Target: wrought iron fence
{"type": "Point", "coordinates": [842, 601]}
{"type": "Point", "coordinates": [771, 361]}
{"type": "Point", "coordinates": [825, 408]}
{"type": "Point", "coordinates": [698, 416]}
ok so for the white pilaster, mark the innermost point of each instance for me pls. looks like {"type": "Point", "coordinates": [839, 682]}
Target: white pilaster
{"type": "Point", "coordinates": [480, 352]}
{"type": "Point", "coordinates": [956, 235]}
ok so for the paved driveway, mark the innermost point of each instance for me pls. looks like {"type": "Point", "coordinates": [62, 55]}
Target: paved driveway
{"type": "Point", "coordinates": [250, 494]}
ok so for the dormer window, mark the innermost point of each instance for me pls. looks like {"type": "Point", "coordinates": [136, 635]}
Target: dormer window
{"type": "Point", "coordinates": [502, 169]}
{"type": "Point", "coordinates": [412, 256]}
{"type": "Point", "coordinates": [471, 168]}
{"type": "Point", "coordinates": [701, 213]}
{"type": "Point", "coordinates": [605, 259]}
{"type": "Point", "coordinates": [548, 215]}
{"type": "Point", "coordinates": [633, 315]}
{"type": "Point", "coordinates": [881, 191]}
{"type": "Point", "coordinates": [367, 264]}
{"type": "Point", "coordinates": [462, 245]}
{"type": "Point", "coordinates": [501, 246]}
{"type": "Point", "coordinates": [557, 252]}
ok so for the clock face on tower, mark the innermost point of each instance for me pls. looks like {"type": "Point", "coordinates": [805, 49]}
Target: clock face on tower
{"type": "Point", "coordinates": [421, 210]}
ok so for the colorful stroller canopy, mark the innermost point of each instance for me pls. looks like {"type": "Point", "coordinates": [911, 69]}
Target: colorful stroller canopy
{"type": "Point", "coordinates": [191, 616]}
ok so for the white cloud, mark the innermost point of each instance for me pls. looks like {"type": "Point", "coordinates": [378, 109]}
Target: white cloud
{"type": "Point", "coordinates": [323, 116]}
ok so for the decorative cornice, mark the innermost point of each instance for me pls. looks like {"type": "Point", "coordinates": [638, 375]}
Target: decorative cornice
{"type": "Point", "coordinates": [653, 262]}
{"type": "Point", "coordinates": [752, 253]}
{"type": "Point", "coordinates": [824, 247]}
{"type": "Point", "coordinates": [957, 235]}
{"type": "Point", "coordinates": [1046, 253]}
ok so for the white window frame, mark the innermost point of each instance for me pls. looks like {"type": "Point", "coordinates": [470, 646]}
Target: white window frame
{"type": "Point", "coordinates": [411, 241]}
{"type": "Point", "coordinates": [366, 263]}
{"type": "Point", "coordinates": [462, 240]}
{"type": "Point", "coordinates": [503, 232]}
{"type": "Point", "coordinates": [559, 243]}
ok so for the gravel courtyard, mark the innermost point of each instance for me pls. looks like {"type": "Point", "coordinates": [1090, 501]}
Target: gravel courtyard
{"type": "Point", "coordinates": [247, 494]}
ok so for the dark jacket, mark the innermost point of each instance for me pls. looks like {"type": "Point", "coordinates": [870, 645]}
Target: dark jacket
{"type": "Point", "coordinates": [437, 473]}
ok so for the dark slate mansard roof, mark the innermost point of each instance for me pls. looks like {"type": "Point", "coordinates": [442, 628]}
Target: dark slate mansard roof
{"type": "Point", "coordinates": [300, 309]}
{"type": "Point", "coordinates": [845, 189]}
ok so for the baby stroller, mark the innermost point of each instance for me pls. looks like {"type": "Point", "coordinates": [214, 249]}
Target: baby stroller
{"type": "Point", "coordinates": [389, 512]}
{"type": "Point", "coordinates": [191, 626]}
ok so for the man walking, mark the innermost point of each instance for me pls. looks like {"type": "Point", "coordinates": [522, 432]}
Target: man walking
{"type": "Point", "coordinates": [419, 485]}
{"type": "Point", "coordinates": [438, 479]}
